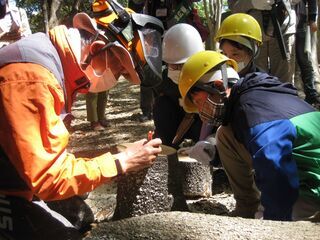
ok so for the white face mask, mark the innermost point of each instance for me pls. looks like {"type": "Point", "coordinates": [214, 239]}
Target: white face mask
{"type": "Point", "coordinates": [174, 75]}
{"type": "Point", "coordinates": [102, 82]}
{"type": "Point", "coordinates": [241, 66]}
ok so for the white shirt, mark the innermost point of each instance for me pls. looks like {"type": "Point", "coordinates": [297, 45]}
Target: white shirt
{"type": "Point", "coordinates": [15, 21]}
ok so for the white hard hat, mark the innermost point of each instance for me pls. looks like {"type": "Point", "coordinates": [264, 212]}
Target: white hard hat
{"type": "Point", "coordinates": [180, 42]}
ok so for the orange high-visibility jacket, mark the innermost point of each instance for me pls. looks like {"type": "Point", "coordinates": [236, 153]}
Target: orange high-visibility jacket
{"type": "Point", "coordinates": [33, 138]}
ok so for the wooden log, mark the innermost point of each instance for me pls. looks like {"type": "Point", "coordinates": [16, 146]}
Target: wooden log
{"type": "Point", "coordinates": [197, 177]}
{"type": "Point", "coordinates": [151, 190]}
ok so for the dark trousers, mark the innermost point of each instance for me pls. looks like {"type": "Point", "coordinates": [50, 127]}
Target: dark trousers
{"type": "Point", "coordinates": [305, 64]}
{"type": "Point", "coordinates": [146, 100]}
{"type": "Point", "coordinates": [21, 219]}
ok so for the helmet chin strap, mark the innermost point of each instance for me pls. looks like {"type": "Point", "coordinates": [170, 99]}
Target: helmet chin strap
{"type": "Point", "coordinates": [88, 59]}
{"type": "Point", "coordinates": [255, 49]}
{"type": "Point", "coordinates": [224, 75]}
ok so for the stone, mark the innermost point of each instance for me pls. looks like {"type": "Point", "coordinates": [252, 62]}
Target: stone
{"type": "Point", "coordinates": [196, 177]}
{"type": "Point", "coordinates": [149, 190]}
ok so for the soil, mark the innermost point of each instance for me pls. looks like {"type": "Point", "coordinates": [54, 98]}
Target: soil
{"type": "Point", "coordinates": [122, 113]}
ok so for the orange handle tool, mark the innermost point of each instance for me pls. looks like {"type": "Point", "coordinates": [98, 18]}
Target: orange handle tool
{"type": "Point", "coordinates": [150, 135]}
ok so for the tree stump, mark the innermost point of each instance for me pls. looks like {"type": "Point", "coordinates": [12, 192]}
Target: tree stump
{"type": "Point", "coordinates": [151, 190]}
{"type": "Point", "coordinates": [196, 177]}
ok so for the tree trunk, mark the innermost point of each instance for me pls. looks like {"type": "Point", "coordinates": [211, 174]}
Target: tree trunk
{"type": "Point", "coordinates": [54, 13]}
{"type": "Point", "coordinates": [45, 15]}
{"type": "Point", "coordinates": [315, 58]}
{"type": "Point", "coordinates": [212, 11]}
{"type": "Point", "coordinates": [151, 190]}
{"type": "Point", "coordinates": [75, 7]}
{"type": "Point", "coordinates": [315, 50]}
{"type": "Point", "coordinates": [318, 32]}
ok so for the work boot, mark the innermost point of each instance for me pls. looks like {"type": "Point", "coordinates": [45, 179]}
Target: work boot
{"type": "Point", "coordinates": [246, 211]}
{"type": "Point", "coordinates": [104, 123]}
{"type": "Point", "coordinates": [144, 117]}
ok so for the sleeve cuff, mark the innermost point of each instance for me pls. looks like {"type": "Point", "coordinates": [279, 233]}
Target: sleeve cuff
{"type": "Point", "coordinates": [108, 165]}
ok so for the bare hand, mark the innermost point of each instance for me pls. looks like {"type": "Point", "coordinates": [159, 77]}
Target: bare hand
{"type": "Point", "coordinates": [139, 155]}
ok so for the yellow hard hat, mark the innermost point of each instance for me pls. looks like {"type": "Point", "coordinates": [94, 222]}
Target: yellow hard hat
{"type": "Point", "coordinates": [239, 25]}
{"type": "Point", "coordinates": [195, 67]}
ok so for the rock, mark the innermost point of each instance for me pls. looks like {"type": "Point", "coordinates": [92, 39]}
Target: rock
{"type": "Point", "coordinates": [196, 178]}
{"type": "Point", "coordinates": [102, 201]}
{"type": "Point", "coordinates": [196, 226]}
{"type": "Point", "coordinates": [146, 191]}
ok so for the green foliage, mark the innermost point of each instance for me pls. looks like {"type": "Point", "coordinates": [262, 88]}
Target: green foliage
{"type": "Point", "coordinates": [36, 17]}
{"type": "Point", "coordinates": [35, 13]}
{"type": "Point", "coordinates": [123, 2]}
{"type": "Point", "coordinates": [200, 7]}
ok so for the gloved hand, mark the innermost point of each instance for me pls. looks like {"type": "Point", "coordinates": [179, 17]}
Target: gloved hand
{"type": "Point", "coordinates": [202, 151]}
{"type": "Point", "coordinates": [262, 4]}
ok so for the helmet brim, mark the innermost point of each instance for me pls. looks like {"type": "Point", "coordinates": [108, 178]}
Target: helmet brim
{"type": "Point", "coordinates": [82, 21]}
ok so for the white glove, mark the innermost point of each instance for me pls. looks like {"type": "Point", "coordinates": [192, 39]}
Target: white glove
{"type": "Point", "coordinates": [202, 151]}
{"type": "Point", "coordinates": [259, 213]}
{"type": "Point", "coordinates": [262, 4]}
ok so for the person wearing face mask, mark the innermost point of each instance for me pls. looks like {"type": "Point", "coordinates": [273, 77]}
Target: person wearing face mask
{"type": "Point", "coordinates": [212, 110]}
{"type": "Point", "coordinates": [268, 141]}
{"type": "Point", "coordinates": [240, 38]}
{"type": "Point", "coordinates": [277, 20]}
{"type": "Point", "coordinates": [40, 75]}
{"type": "Point", "coordinates": [179, 43]}
{"type": "Point", "coordinates": [96, 99]}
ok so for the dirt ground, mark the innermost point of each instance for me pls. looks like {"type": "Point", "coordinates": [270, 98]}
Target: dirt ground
{"type": "Point", "coordinates": [122, 114]}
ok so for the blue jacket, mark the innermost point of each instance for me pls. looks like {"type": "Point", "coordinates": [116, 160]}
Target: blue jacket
{"type": "Point", "coordinates": [282, 134]}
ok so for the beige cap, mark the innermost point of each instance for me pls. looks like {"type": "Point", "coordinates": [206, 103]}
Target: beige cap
{"type": "Point", "coordinates": [82, 21]}
{"type": "Point", "coordinates": [126, 61]}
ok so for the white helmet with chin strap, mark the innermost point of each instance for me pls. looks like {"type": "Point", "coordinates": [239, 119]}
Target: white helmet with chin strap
{"type": "Point", "coordinates": [180, 42]}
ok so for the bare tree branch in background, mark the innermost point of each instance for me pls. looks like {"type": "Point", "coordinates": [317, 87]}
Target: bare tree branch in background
{"type": "Point", "coordinates": [75, 7]}
{"type": "Point", "coordinates": [318, 32]}
{"type": "Point", "coordinates": [315, 51]}
{"type": "Point", "coordinates": [44, 6]}
{"type": "Point", "coordinates": [54, 13]}
{"type": "Point", "coordinates": [212, 11]}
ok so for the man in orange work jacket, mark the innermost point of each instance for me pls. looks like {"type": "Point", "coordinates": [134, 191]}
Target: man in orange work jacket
{"type": "Point", "coordinates": [39, 76]}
